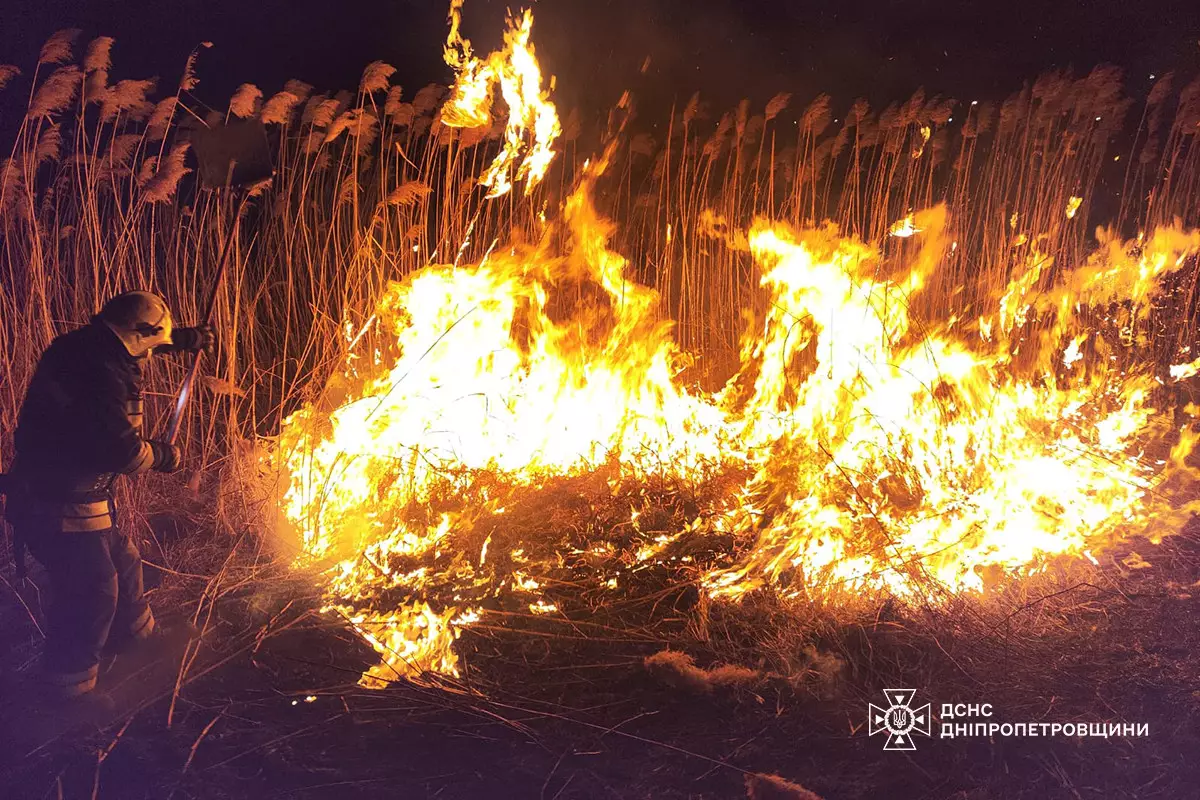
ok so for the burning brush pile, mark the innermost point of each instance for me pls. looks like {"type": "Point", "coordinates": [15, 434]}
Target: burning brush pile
{"type": "Point", "coordinates": [516, 436]}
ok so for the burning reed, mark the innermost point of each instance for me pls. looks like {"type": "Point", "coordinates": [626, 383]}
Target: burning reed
{"type": "Point", "coordinates": [917, 371]}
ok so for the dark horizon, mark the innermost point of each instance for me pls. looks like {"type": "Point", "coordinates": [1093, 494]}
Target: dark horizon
{"type": "Point", "coordinates": [725, 49]}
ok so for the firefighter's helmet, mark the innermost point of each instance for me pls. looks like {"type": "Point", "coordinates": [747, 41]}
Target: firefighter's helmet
{"type": "Point", "coordinates": [141, 320]}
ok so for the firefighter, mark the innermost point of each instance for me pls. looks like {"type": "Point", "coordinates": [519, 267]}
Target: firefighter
{"type": "Point", "coordinates": [80, 427]}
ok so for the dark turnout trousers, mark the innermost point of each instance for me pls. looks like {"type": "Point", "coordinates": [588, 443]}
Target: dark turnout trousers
{"type": "Point", "coordinates": [98, 607]}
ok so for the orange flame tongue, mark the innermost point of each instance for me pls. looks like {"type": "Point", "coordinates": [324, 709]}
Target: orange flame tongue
{"type": "Point", "coordinates": [515, 72]}
{"type": "Point", "coordinates": [897, 459]}
{"type": "Point", "coordinates": [885, 456]}
{"type": "Point", "coordinates": [867, 451]}
{"type": "Point", "coordinates": [489, 379]}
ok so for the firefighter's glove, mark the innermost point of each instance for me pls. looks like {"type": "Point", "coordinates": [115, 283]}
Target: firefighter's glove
{"type": "Point", "coordinates": [167, 457]}
{"type": "Point", "coordinates": [193, 340]}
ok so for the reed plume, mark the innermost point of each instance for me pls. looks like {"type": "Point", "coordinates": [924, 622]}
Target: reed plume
{"type": "Point", "coordinates": [57, 49]}
{"type": "Point", "coordinates": [160, 187]}
{"type": "Point", "coordinates": [245, 101]}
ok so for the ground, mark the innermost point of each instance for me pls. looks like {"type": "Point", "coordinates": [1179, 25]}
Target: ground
{"type": "Point", "coordinates": [268, 704]}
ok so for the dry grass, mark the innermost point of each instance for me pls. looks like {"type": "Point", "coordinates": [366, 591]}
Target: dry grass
{"type": "Point", "coordinates": [95, 197]}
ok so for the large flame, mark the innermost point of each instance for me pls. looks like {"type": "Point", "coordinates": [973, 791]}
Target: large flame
{"type": "Point", "coordinates": [872, 447]}
{"type": "Point", "coordinates": [515, 72]}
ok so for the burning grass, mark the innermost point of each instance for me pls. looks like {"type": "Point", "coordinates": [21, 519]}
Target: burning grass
{"type": "Point", "coordinates": [486, 405]}
{"type": "Point", "coordinates": [870, 454]}
{"type": "Point", "coordinates": [583, 702]}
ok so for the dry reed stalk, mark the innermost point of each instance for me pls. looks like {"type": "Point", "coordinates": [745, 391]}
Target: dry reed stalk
{"type": "Point", "coordinates": [369, 187]}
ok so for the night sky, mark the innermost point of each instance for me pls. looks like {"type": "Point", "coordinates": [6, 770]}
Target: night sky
{"type": "Point", "coordinates": [727, 49]}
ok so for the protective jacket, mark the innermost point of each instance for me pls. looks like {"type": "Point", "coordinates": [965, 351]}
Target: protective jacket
{"type": "Point", "coordinates": [79, 427]}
